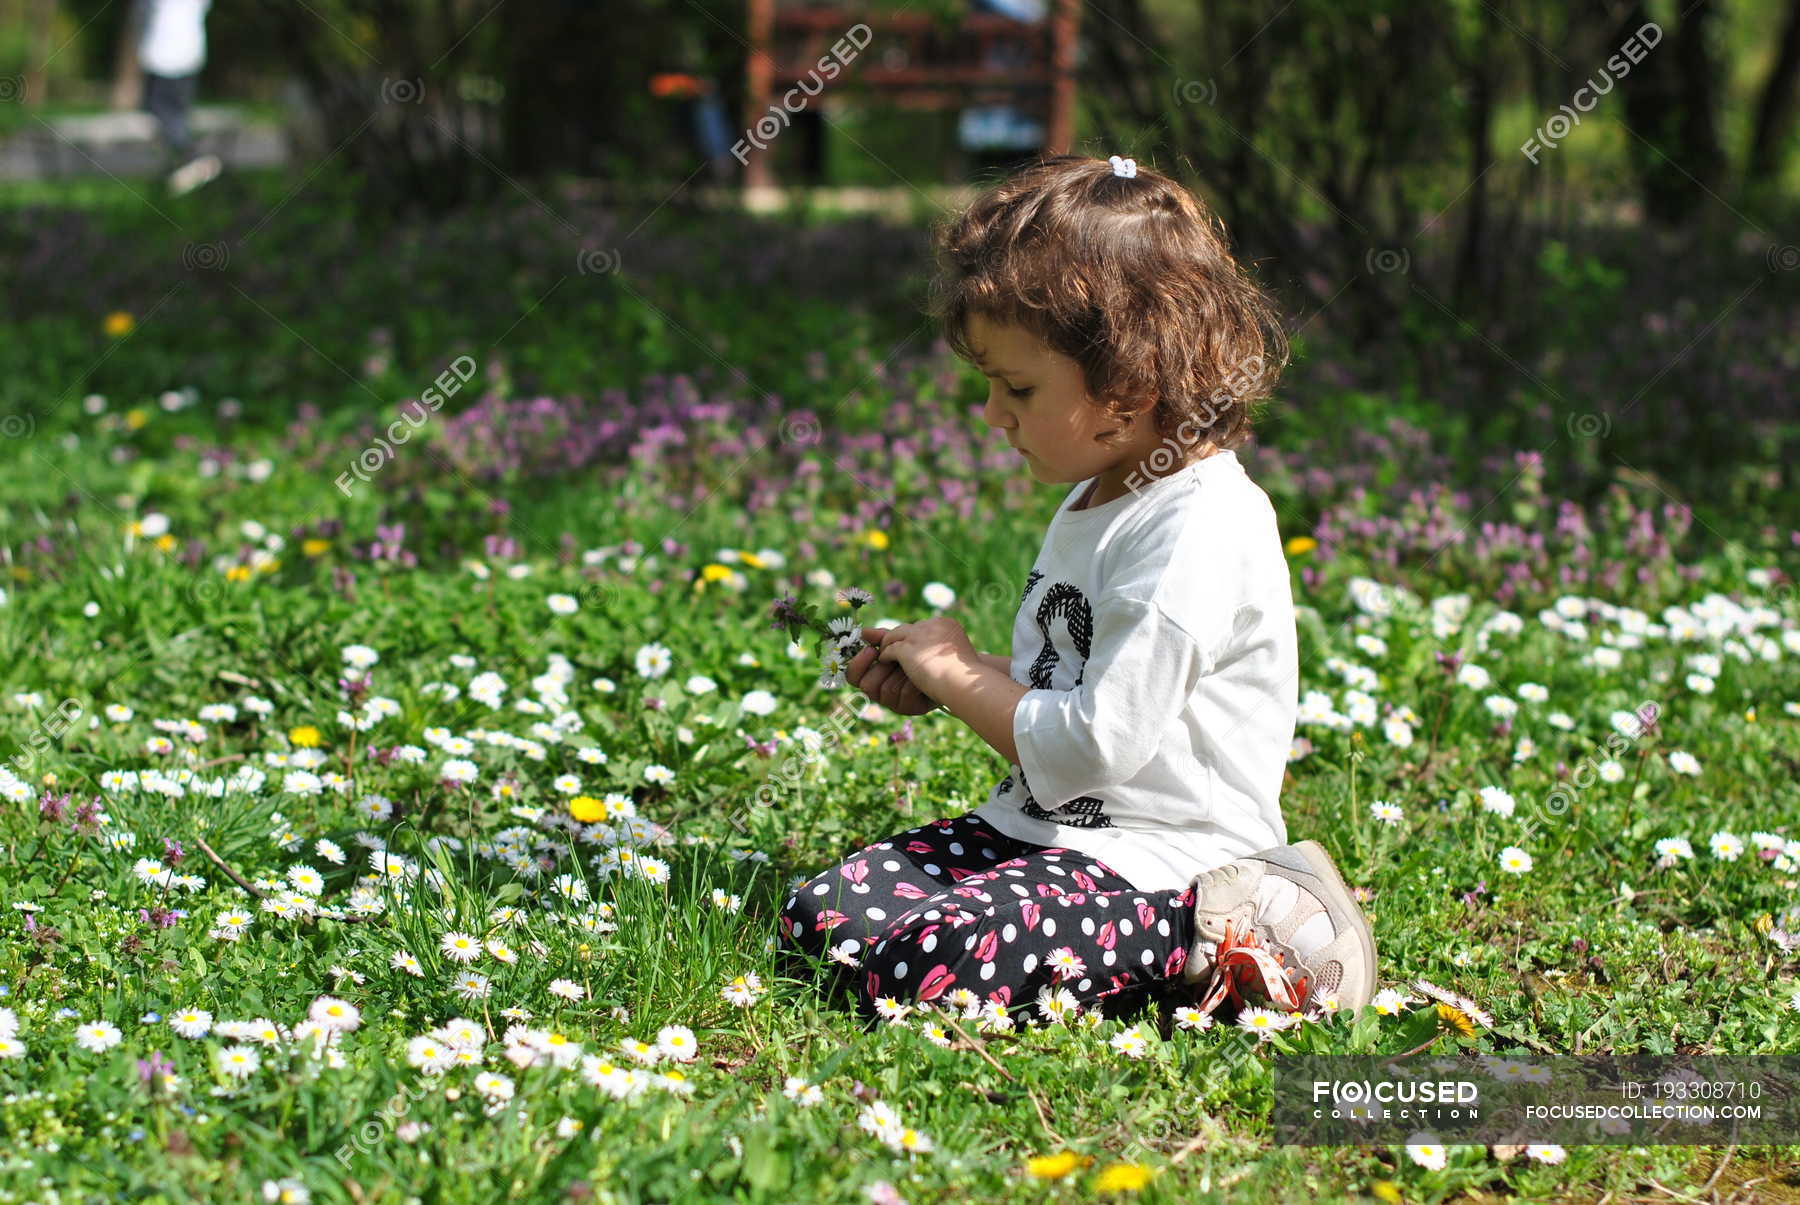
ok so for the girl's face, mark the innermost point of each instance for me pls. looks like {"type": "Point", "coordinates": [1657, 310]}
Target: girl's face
{"type": "Point", "coordinates": [1037, 399]}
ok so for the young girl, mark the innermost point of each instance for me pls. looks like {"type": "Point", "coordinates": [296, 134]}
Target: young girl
{"type": "Point", "coordinates": [1137, 846]}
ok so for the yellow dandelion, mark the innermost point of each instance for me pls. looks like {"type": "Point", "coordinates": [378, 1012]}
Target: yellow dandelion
{"type": "Point", "coordinates": [136, 417]}
{"type": "Point", "coordinates": [271, 565]}
{"type": "Point", "coordinates": [315, 547]}
{"type": "Point", "coordinates": [165, 542]}
{"type": "Point", "coordinates": [238, 573]}
{"type": "Point", "coordinates": [305, 737]}
{"type": "Point", "coordinates": [1385, 1190]}
{"type": "Point", "coordinates": [877, 540]}
{"type": "Point", "coordinates": [1301, 544]}
{"type": "Point", "coordinates": [119, 324]}
{"type": "Point", "coordinates": [587, 809]}
{"type": "Point", "coordinates": [752, 560]}
{"type": "Point", "coordinates": [714, 572]}
{"type": "Point", "coordinates": [1054, 1167]}
{"type": "Point", "coordinates": [1122, 1177]}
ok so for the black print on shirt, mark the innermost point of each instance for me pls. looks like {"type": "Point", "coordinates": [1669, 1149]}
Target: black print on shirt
{"type": "Point", "coordinates": [1087, 811]}
{"type": "Point", "coordinates": [1065, 602]}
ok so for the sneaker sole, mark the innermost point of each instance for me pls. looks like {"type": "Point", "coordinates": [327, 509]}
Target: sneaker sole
{"type": "Point", "coordinates": [1309, 857]}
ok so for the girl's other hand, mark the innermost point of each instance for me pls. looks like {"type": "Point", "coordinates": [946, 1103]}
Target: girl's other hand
{"type": "Point", "coordinates": [884, 681]}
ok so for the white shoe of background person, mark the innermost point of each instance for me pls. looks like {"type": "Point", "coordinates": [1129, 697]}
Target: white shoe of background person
{"type": "Point", "coordinates": [193, 174]}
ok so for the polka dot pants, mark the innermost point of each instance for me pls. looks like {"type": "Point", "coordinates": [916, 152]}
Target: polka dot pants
{"type": "Point", "coordinates": [955, 904]}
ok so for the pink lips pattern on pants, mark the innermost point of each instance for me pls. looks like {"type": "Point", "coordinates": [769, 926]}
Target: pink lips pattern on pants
{"type": "Point", "coordinates": [1031, 912]}
{"type": "Point", "coordinates": [856, 871]}
{"type": "Point", "coordinates": [988, 946]}
{"type": "Point", "coordinates": [937, 981]}
{"type": "Point", "coordinates": [1108, 937]}
{"type": "Point", "coordinates": [1146, 914]}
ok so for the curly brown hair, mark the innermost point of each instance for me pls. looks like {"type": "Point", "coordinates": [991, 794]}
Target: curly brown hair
{"type": "Point", "coordinates": [1130, 277]}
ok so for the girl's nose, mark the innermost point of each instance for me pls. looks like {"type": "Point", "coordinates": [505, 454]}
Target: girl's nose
{"type": "Point", "coordinates": [994, 414]}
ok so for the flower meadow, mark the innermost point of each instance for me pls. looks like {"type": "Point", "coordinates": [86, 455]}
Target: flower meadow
{"type": "Point", "coordinates": [423, 840]}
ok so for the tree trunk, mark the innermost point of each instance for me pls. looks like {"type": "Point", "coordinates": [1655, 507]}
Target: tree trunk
{"type": "Point", "coordinates": [1775, 108]}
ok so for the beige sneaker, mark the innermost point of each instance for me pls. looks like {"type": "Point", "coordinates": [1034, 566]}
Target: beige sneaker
{"type": "Point", "coordinates": [1241, 954]}
{"type": "Point", "coordinates": [193, 174]}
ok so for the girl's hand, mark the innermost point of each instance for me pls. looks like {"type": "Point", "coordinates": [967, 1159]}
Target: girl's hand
{"type": "Point", "coordinates": [935, 653]}
{"type": "Point", "coordinates": [885, 682]}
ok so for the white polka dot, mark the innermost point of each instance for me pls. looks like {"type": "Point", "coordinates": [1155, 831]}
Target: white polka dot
{"type": "Point", "coordinates": [988, 853]}
{"type": "Point", "coordinates": [1125, 927]}
{"type": "Point", "coordinates": [876, 914]}
{"type": "Point", "coordinates": [1087, 925]}
{"type": "Point", "coordinates": [1031, 961]}
{"type": "Point", "coordinates": [1149, 957]}
{"type": "Point", "coordinates": [1102, 900]}
{"type": "Point", "coordinates": [987, 970]}
{"type": "Point", "coordinates": [1057, 870]}
{"type": "Point", "coordinates": [822, 888]}
{"type": "Point", "coordinates": [880, 946]}
{"type": "Point", "coordinates": [890, 864]}
{"type": "Point", "coordinates": [1017, 874]}
{"type": "Point", "coordinates": [860, 888]}
{"type": "Point", "coordinates": [1023, 893]}
{"type": "Point", "coordinates": [930, 943]}
{"type": "Point", "coordinates": [1084, 985]}
{"type": "Point", "coordinates": [1049, 927]}
{"type": "Point", "coordinates": [970, 944]}
{"type": "Point", "coordinates": [900, 969]}
{"type": "Point", "coordinates": [1008, 933]}
{"type": "Point", "coordinates": [792, 900]}
{"type": "Point", "coordinates": [1110, 957]}
{"type": "Point", "coordinates": [1162, 926]}
{"type": "Point", "coordinates": [956, 847]}
{"type": "Point", "coordinates": [934, 914]}
{"type": "Point", "coordinates": [932, 868]}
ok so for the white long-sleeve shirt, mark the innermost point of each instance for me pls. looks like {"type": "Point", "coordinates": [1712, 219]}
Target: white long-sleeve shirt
{"type": "Point", "coordinates": [173, 41]}
{"type": "Point", "coordinates": [1156, 632]}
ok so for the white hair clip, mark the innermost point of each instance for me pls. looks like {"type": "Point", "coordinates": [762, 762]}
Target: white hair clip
{"type": "Point", "coordinates": [1123, 167]}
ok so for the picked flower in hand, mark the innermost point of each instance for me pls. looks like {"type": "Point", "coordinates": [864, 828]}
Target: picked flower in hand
{"type": "Point", "coordinates": [840, 638]}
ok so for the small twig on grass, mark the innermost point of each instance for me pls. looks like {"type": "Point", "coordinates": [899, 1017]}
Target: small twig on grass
{"type": "Point", "coordinates": [1712, 1179]}
{"type": "Point", "coordinates": [231, 874]}
{"type": "Point", "coordinates": [980, 1048]}
{"type": "Point", "coordinates": [1679, 1196]}
{"type": "Point", "coordinates": [258, 893]}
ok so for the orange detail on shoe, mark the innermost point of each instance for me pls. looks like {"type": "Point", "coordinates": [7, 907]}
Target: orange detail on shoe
{"type": "Point", "coordinates": [1243, 962]}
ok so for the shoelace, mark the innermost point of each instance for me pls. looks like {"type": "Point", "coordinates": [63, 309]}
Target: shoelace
{"type": "Point", "coordinates": [1243, 962]}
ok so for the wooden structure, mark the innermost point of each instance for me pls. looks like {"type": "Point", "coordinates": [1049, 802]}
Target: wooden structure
{"type": "Point", "coordinates": [908, 60]}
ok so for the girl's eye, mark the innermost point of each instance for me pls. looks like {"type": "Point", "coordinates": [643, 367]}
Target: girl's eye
{"type": "Point", "coordinates": [1020, 393]}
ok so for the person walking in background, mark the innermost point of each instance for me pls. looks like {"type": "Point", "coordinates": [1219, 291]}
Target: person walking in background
{"type": "Point", "coordinates": [171, 50]}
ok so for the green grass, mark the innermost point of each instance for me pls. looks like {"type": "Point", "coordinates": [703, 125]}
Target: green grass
{"type": "Point", "coordinates": [1676, 959]}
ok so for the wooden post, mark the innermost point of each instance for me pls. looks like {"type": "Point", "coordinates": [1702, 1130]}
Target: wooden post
{"type": "Point", "coordinates": [1059, 130]}
{"type": "Point", "coordinates": [759, 69]}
